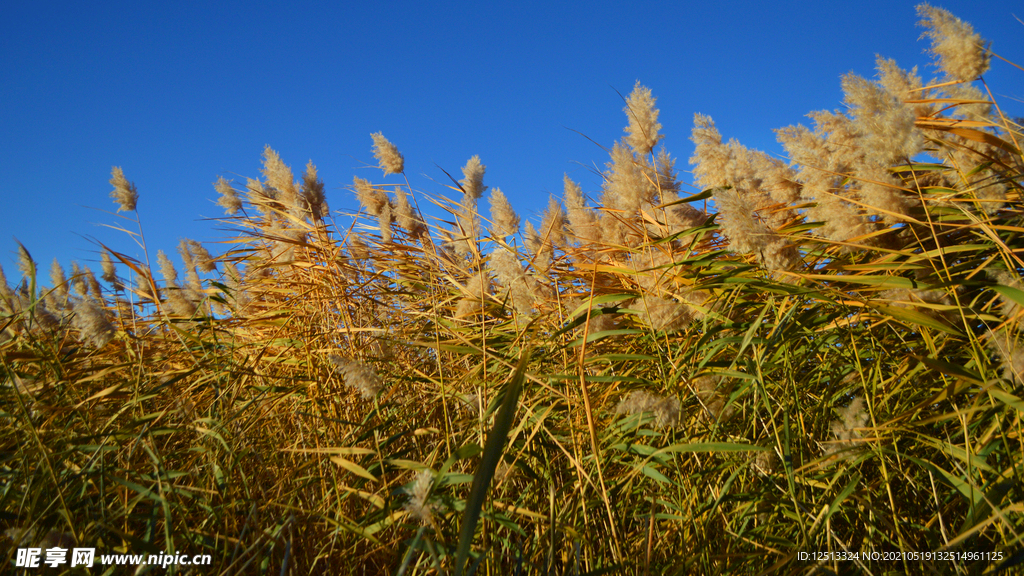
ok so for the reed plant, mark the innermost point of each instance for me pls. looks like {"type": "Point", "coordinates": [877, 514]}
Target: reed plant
{"type": "Point", "coordinates": [814, 355]}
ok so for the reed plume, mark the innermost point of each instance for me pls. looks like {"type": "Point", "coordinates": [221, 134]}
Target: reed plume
{"type": "Point", "coordinates": [643, 120]}
{"type": "Point", "coordinates": [961, 52]}
{"type": "Point", "coordinates": [391, 160]}
{"type": "Point", "coordinates": [125, 195]}
{"type": "Point", "coordinates": [229, 198]}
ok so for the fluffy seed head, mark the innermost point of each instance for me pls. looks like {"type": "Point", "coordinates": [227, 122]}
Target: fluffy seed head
{"type": "Point", "coordinates": [477, 286]}
{"type": "Point", "coordinates": [504, 220]}
{"type": "Point", "coordinates": [532, 239]}
{"type": "Point", "coordinates": [229, 199]}
{"type": "Point", "coordinates": [540, 251]}
{"type": "Point", "coordinates": [466, 233]}
{"type": "Point", "coordinates": [841, 140]}
{"type": "Point", "coordinates": [204, 261]}
{"type": "Point", "coordinates": [124, 193]}
{"type": "Point", "coordinates": [59, 279]}
{"type": "Point", "coordinates": [573, 196]}
{"type": "Point", "coordinates": [473, 183]}
{"type": "Point", "coordinates": [167, 271]}
{"type": "Point", "coordinates": [78, 280]}
{"type": "Point", "coordinates": [372, 199]}
{"type": "Point", "coordinates": [666, 173]}
{"type": "Point", "coordinates": [234, 279]}
{"type": "Point", "coordinates": [109, 272]}
{"type": "Point", "coordinates": [665, 410]}
{"type": "Point", "coordinates": [746, 233]}
{"type": "Point", "coordinates": [25, 262]}
{"type": "Point", "coordinates": [419, 506]}
{"type": "Point", "coordinates": [179, 304]}
{"type": "Point", "coordinates": [357, 248]}
{"type": "Point", "coordinates": [776, 178]}
{"type": "Point", "coordinates": [902, 85]}
{"type": "Point", "coordinates": [583, 221]}
{"type": "Point", "coordinates": [962, 53]}
{"type": "Point", "coordinates": [885, 125]}
{"type": "Point", "coordinates": [979, 109]}
{"type": "Point", "coordinates": [5, 290]}
{"type": "Point", "coordinates": [406, 215]}
{"type": "Point", "coordinates": [881, 191]}
{"type": "Point", "coordinates": [92, 323]}
{"type": "Point", "coordinates": [663, 314]}
{"type": "Point", "coordinates": [384, 220]}
{"type": "Point", "coordinates": [279, 176]}
{"type": "Point", "coordinates": [257, 191]}
{"type": "Point", "coordinates": [600, 323]}
{"type": "Point", "coordinates": [711, 156]}
{"type": "Point", "coordinates": [643, 120]}
{"type": "Point", "coordinates": [358, 375]}
{"type": "Point", "coordinates": [508, 270]}
{"type": "Point", "coordinates": [553, 225]}
{"type": "Point", "coordinates": [93, 284]}
{"type": "Point", "coordinates": [851, 418]}
{"type": "Point", "coordinates": [628, 181]}
{"type": "Point", "coordinates": [506, 267]}
{"type": "Point", "coordinates": [391, 160]}
{"type": "Point", "coordinates": [313, 192]}
{"type": "Point", "coordinates": [713, 393]}
{"type": "Point", "coordinates": [191, 271]}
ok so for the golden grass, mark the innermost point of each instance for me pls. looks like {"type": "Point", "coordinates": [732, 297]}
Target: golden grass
{"type": "Point", "coordinates": [631, 388]}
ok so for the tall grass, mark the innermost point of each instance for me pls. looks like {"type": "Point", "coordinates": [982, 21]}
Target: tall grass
{"type": "Point", "coordinates": [829, 361]}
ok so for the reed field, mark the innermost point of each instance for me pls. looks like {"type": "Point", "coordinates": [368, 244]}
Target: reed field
{"type": "Point", "coordinates": [819, 355]}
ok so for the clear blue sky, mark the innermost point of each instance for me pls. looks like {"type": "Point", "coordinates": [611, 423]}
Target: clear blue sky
{"type": "Point", "coordinates": [179, 93]}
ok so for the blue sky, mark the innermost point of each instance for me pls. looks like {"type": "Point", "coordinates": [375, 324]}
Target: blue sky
{"type": "Point", "coordinates": [180, 93]}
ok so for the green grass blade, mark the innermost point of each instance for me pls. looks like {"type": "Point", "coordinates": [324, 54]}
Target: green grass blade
{"type": "Point", "coordinates": [489, 462]}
